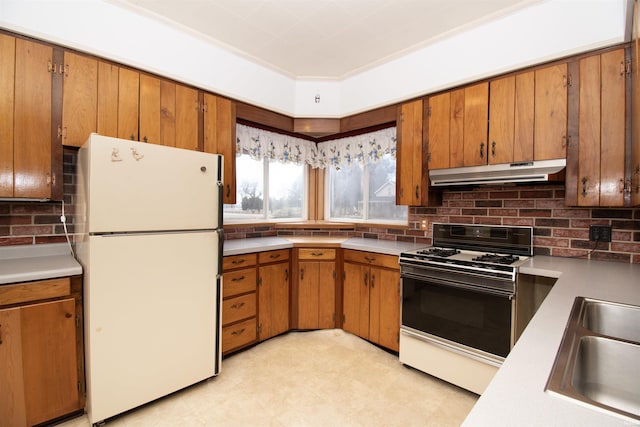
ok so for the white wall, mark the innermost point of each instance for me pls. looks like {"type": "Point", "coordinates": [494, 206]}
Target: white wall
{"type": "Point", "coordinates": [541, 32]}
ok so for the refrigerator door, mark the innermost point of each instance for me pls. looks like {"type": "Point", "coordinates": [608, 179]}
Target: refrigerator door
{"type": "Point", "coordinates": [133, 186]}
{"type": "Point", "coordinates": [152, 322]}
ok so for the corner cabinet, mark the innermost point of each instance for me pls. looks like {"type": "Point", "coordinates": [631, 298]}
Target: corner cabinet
{"type": "Point", "coordinates": [220, 138]}
{"type": "Point", "coordinates": [41, 351]}
{"type": "Point", "coordinates": [412, 175]}
{"type": "Point", "coordinates": [31, 156]}
{"type": "Point", "coordinates": [597, 171]}
{"type": "Point", "coordinates": [315, 287]}
{"type": "Point", "coordinates": [371, 297]}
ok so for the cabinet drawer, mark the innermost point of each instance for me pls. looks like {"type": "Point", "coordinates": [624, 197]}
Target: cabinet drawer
{"type": "Point", "coordinates": [379, 260]}
{"type": "Point", "coordinates": [273, 256]}
{"type": "Point", "coordinates": [238, 261]}
{"type": "Point", "coordinates": [34, 291]}
{"type": "Point", "coordinates": [317, 253]}
{"type": "Point", "coordinates": [238, 308]}
{"type": "Point", "coordinates": [239, 282]}
{"type": "Point", "coordinates": [238, 335]}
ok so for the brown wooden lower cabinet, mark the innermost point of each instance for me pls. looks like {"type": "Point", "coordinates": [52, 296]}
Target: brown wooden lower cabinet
{"type": "Point", "coordinates": [316, 288]}
{"type": "Point", "coordinates": [41, 356]}
{"type": "Point", "coordinates": [273, 293]}
{"type": "Point", "coordinates": [371, 297]}
{"type": "Point", "coordinates": [239, 303]}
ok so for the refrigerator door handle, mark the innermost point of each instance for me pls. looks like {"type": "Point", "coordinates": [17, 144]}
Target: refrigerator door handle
{"type": "Point", "coordinates": [220, 232]}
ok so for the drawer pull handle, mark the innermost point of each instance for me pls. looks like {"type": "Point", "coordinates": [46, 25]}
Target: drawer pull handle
{"type": "Point", "coordinates": [317, 253]}
{"type": "Point", "coordinates": [238, 305]}
{"type": "Point", "coordinates": [274, 256]}
{"type": "Point", "coordinates": [238, 279]}
{"type": "Point", "coordinates": [370, 258]}
{"type": "Point", "coordinates": [239, 332]}
{"type": "Point", "coordinates": [237, 261]}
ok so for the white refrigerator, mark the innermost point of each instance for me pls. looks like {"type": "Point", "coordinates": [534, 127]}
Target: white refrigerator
{"type": "Point", "coordinates": [150, 239]}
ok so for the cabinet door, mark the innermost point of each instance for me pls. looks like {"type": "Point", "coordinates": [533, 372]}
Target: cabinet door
{"type": "Point", "coordinates": [327, 295]}
{"type": "Point", "coordinates": [550, 112]}
{"type": "Point", "coordinates": [12, 403]}
{"type": "Point", "coordinates": [589, 131]}
{"type": "Point", "coordinates": [502, 120]}
{"type": "Point", "coordinates": [273, 307]}
{"type": "Point", "coordinates": [186, 118]}
{"type": "Point", "coordinates": [409, 154]}
{"type": "Point", "coordinates": [524, 117]}
{"type": "Point", "coordinates": [32, 133]}
{"type": "Point", "coordinates": [107, 108]}
{"type": "Point", "coordinates": [612, 133]}
{"type": "Point", "coordinates": [39, 359]}
{"type": "Point", "coordinates": [385, 296]}
{"type": "Point", "coordinates": [79, 99]}
{"type": "Point", "coordinates": [149, 109]}
{"type": "Point", "coordinates": [635, 112]}
{"type": "Point", "coordinates": [128, 100]}
{"type": "Point", "coordinates": [7, 70]}
{"type": "Point", "coordinates": [439, 114]}
{"type": "Point", "coordinates": [356, 299]}
{"type": "Point", "coordinates": [476, 119]}
{"type": "Point", "coordinates": [220, 138]}
{"type": "Point", "coordinates": [167, 113]}
{"type": "Point", "coordinates": [308, 295]}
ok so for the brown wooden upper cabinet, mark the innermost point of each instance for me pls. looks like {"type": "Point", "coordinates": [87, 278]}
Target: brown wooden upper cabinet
{"type": "Point", "coordinates": [30, 164]}
{"type": "Point", "coordinates": [635, 113]}
{"type": "Point", "coordinates": [79, 99]}
{"type": "Point", "coordinates": [410, 174]}
{"type": "Point", "coordinates": [220, 138]}
{"type": "Point", "coordinates": [517, 118]}
{"type": "Point", "coordinates": [596, 163]}
{"type": "Point", "coordinates": [550, 120]}
{"type": "Point", "coordinates": [457, 127]}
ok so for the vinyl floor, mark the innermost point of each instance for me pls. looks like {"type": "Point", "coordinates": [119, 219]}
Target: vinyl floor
{"type": "Point", "coordinates": [316, 378]}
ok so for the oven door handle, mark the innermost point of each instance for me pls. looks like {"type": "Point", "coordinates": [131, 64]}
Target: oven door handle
{"type": "Point", "coordinates": [473, 288]}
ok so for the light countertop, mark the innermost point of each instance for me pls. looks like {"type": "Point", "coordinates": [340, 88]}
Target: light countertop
{"type": "Point", "coordinates": [516, 396]}
{"type": "Point", "coordinates": [259, 244]}
{"type": "Point", "coordinates": [25, 263]}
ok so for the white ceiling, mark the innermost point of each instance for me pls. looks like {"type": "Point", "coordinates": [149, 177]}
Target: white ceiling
{"type": "Point", "coordinates": [326, 39]}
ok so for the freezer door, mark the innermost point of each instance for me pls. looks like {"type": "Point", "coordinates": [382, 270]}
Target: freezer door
{"type": "Point", "coordinates": [133, 186]}
{"type": "Point", "coordinates": [151, 321]}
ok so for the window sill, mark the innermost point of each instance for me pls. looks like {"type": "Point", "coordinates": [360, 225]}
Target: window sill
{"type": "Point", "coordinates": [316, 225]}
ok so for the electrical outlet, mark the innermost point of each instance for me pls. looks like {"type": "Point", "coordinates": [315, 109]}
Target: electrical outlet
{"type": "Point", "coordinates": [600, 233]}
{"type": "Point", "coordinates": [424, 224]}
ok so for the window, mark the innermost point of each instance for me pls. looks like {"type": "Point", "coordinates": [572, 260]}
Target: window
{"type": "Point", "coordinates": [267, 190]}
{"type": "Point", "coordinates": [364, 193]}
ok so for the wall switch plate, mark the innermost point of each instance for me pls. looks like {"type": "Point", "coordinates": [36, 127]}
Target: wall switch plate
{"type": "Point", "coordinates": [600, 233]}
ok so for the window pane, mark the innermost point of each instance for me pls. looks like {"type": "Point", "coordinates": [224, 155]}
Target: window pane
{"type": "Point", "coordinates": [286, 190]}
{"type": "Point", "coordinates": [346, 192]}
{"type": "Point", "coordinates": [382, 191]}
{"type": "Point", "coordinates": [249, 190]}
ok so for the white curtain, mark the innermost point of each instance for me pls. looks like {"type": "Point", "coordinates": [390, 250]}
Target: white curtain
{"type": "Point", "coordinates": [365, 148]}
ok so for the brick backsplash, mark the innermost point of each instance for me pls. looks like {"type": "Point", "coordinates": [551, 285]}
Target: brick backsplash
{"type": "Point", "coordinates": [30, 223]}
{"type": "Point", "coordinates": [558, 230]}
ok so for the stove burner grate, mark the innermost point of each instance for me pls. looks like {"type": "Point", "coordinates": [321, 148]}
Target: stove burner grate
{"type": "Point", "coordinates": [498, 259]}
{"type": "Point", "coordinates": [439, 252]}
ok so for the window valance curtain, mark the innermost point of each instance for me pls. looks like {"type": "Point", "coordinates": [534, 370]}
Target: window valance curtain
{"type": "Point", "coordinates": [342, 152]}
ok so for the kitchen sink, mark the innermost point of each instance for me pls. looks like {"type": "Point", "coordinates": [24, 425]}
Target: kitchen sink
{"type": "Point", "coordinates": [612, 319]}
{"type": "Point", "coordinates": [596, 363]}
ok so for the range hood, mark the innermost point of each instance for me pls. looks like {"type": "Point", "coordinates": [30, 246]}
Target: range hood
{"type": "Point", "coordinates": [497, 174]}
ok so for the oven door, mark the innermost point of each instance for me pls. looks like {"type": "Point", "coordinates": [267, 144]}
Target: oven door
{"type": "Point", "coordinates": [463, 314]}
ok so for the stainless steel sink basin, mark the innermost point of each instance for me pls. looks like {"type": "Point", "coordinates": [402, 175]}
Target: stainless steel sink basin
{"type": "Point", "coordinates": [597, 362]}
{"type": "Point", "coordinates": [612, 319]}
